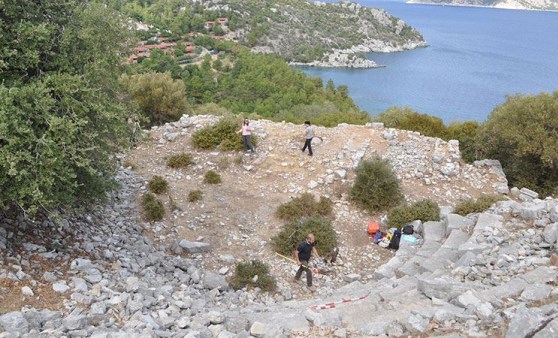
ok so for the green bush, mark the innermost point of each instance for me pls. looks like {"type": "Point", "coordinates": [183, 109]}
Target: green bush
{"type": "Point", "coordinates": [408, 119]}
{"type": "Point", "coordinates": [159, 97]}
{"type": "Point", "coordinates": [376, 186]}
{"type": "Point", "coordinates": [158, 185]}
{"type": "Point", "coordinates": [425, 210]}
{"type": "Point", "coordinates": [60, 120]}
{"type": "Point", "coordinates": [195, 195]}
{"type": "Point", "coordinates": [223, 134]}
{"type": "Point", "coordinates": [180, 161]}
{"type": "Point", "coordinates": [212, 177]}
{"type": "Point", "coordinates": [294, 232]}
{"type": "Point", "coordinates": [522, 135]}
{"type": "Point", "coordinates": [465, 133]}
{"type": "Point", "coordinates": [245, 273]}
{"type": "Point", "coordinates": [470, 206]}
{"type": "Point", "coordinates": [153, 209]}
{"type": "Point", "coordinates": [304, 206]}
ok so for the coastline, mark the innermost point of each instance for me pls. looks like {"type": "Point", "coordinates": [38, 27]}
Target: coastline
{"type": "Point", "coordinates": [411, 2]}
{"type": "Point", "coordinates": [347, 58]}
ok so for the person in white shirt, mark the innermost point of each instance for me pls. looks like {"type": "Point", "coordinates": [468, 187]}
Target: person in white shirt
{"type": "Point", "coordinates": [308, 136]}
{"type": "Point", "coordinates": [246, 131]}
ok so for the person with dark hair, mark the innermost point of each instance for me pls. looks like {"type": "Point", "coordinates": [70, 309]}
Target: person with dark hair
{"type": "Point", "coordinates": [308, 136]}
{"type": "Point", "coordinates": [246, 131]}
{"type": "Point", "coordinates": [302, 255]}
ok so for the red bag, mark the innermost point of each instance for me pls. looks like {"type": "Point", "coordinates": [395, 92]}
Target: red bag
{"type": "Point", "coordinates": [373, 227]}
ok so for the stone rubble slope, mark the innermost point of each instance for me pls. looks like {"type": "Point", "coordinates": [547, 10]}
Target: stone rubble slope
{"type": "Point", "coordinates": [485, 275]}
{"type": "Point", "coordinates": [475, 275]}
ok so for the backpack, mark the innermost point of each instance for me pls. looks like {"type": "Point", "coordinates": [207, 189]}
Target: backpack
{"type": "Point", "coordinates": [408, 229]}
{"type": "Point", "coordinates": [378, 237]}
{"type": "Point", "coordinates": [395, 239]}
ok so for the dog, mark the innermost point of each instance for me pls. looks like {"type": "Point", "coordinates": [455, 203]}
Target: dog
{"type": "Point", "coordinates": [331, 257]}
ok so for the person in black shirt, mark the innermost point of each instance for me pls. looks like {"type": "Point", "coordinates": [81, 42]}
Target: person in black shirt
{"type": "Point", "coordinates": [302, 254]}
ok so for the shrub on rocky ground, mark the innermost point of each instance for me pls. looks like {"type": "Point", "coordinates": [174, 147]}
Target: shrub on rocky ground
{"type": "Point", "coordinates": [195, 195]}
{"type": "Point", "coordinates": [158, 185]}
{"type": "Point", "coordinates": [470, 206]}
{"type": "Point", "coordinates": [223, 163]}
{"type": "Point", "coordinates": [425, 210]}
{"type": "Point", "coordinates": [153, 209]}
{"type": "Point", "coordinates": [251, 275]}
{"type": "Point", "coordinates": [294, 232]}
{"type": "Point", "coordinates": [212, 177]}
{"type": "Point", "coordinates": [376, 186]}
{"type": "Point", "coordinates": [180, 161]}
{"type": "Point", "coordinates": [129, 164]}
{"type": "Point", "coordinates": [304, 206]}
{"type": "Point", "coordinates": [223, 134]}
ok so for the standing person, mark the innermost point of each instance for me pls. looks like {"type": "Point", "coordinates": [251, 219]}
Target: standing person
{"type": "Point", "coordinates": [308, 136]}
{"type": "Point", "coordinates": [133, 123]}
{"type": "Point", "coordinates": [302, 255]}
{"type": "Point", "coordinates": [246, 131]}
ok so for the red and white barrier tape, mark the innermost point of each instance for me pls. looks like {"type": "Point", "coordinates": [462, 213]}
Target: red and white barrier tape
{"type": "Point", "coordinates": [332, 305]}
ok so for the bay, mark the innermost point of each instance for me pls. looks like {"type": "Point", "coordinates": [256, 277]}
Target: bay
{"type": "Point", "coordinates": [476, 56]}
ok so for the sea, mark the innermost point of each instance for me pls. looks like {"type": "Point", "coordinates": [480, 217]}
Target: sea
{"type": "Point", "coordinates": [476, 58]}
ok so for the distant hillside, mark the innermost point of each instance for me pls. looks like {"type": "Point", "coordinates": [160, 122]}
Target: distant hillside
{"type": "Point", "coordinates": [510, 4]}
{"type": "Point", "coordinates": [303, 31]}
{"type": "Point", "coordinates": [325, 34]}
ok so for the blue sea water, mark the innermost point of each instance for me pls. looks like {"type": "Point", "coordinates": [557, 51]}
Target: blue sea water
{"type": "Point", "coordinates": [475, 57]}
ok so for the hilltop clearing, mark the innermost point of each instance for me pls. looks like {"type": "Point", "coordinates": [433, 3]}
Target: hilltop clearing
{"type": "Point", "coordinates": [237, 216]}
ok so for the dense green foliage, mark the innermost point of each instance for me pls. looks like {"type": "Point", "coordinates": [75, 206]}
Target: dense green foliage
{"type": "Point", "coordinates": [376, 186]}
{"type": "Point", "coordinates": [159, 98]}
{"type": "Point", "coordinates": [481, 204]}
{"type": "Point", "coordinates": [212, 177]}
{"type": "Point", "coordinates": [254, 274]}
{"type": "Point", "coordinates": [267, 86]}
{"type": "Point", "coordinates": [180, 161]}
{"type": "Point", "coordinates": [425, 210]}
{"type": "Point", "coordinates": [465, 133]}
{"type": "Point", "coordinates": [158, 185]}
{"type": "Point", "coordinates": [59, 123]}
{"type": "Point", "coordinates": [153, 209]}
{"type": "Point", "coordinates": [408, 119]}
{"type": "Point", "coordinates": [304, 206]}
{"type": "Point", "coordinates": [522, 134]}
{"type": "Point", "coordinates": [294, 232]}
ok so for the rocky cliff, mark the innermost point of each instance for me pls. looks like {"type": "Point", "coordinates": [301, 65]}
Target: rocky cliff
{"type": "Point", "coordinates": [109, 274]}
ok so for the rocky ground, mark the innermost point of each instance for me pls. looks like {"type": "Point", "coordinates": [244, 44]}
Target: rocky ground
{"type": "Point", "coordinates": [108, 274]}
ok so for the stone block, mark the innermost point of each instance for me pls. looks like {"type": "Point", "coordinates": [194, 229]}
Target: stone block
{"type": "Point", "coordinates": [455, 221]}
{"type": "Point", "coordinates": [536, 292]}
{"type": "Point", "coordinates": [550, 233]}
{"type": "Point", "coordinates": [524, 322]}
{"type": "Point", "coordinates": [213, 280]}
{"type": "Point", "coordinates": [352, 277]}
{"type": "Point", "coordinates": [14, 322]}
{"type": "Point", "coordinates": [549, 331]}
{"type": "Point", "coordinates": [542, 274]}
{"type": "Point", "coordinates": [532, 211]}
{"type": "Point", "coordinates": [455, 239]}
{"type": "Point", "coordinates": [194, 247]}
{"type": "Point", "coordinates": [434, 231]}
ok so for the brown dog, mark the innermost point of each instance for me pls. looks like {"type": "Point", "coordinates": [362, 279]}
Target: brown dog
{"type": "Point", "coordinates": [331, 257]}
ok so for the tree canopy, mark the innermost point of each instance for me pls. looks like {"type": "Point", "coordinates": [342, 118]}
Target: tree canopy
{"type": "Point", "coordinates": [522, 134]}
{"type": "Point", "coordinates": [59, 117]}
